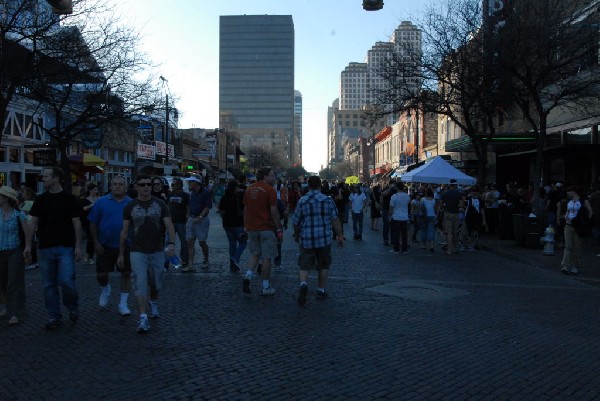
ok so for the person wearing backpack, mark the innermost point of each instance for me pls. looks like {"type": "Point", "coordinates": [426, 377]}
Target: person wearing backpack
{"type": "Point", "coordinates": [474, 218]}
{"type": "Point", "coordinates": [579, 211]}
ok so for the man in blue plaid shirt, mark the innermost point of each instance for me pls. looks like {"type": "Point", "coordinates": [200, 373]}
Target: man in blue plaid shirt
{"type": "Point", "coordinates": [313, 219]}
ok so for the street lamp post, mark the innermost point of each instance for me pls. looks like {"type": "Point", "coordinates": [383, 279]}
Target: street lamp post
{"type": "Point", "coordinates": [166, 119]}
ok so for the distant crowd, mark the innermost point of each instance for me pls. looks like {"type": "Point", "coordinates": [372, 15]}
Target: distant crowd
{"type": "Point", "coordinates": [142, 229]}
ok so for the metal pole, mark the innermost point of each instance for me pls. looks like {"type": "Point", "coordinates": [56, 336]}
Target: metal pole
{"type": "Point", "coordinates": [226, 161]}
{"type": "Point", "coordinates": [417, 137]}
{"type": "Point", "coordinates": [167, 127]}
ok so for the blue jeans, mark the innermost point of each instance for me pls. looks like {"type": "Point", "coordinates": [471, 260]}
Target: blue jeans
{"type": "Point", "coordinates": [57, 265]}
{"type": "Point", "coordinates": [357, 223]}
{"type": "Point", "coordinates": [180, 232]}
{"type": "Point", "coordinates": [237, 242]}
{"type": "Point", "coordinates": [427, 231]}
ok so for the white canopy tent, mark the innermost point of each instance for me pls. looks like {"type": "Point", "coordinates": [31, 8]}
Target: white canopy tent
{"type": "Point", "coordinates": [437, 171]}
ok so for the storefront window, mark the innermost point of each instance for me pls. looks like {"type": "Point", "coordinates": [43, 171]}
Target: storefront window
{"type": "Point", "coordinates": [582, 135]}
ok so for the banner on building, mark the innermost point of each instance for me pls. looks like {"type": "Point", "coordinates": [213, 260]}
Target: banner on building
{"type": "Point", "coordinates": [46, 157]}
{"type": "Point", "coordinates": [145, 151]}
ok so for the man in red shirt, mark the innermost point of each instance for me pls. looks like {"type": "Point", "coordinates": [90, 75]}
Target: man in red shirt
{"type": "Point", "coordinates": [263, 225]}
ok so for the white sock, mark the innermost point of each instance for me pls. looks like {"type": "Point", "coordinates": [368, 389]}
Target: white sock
{"type": "Point", "coordinates": [303, 283]}
{"type": "Point", "coordinates": [143, 316]}
{"type": "Point", "coordinates": [124, 296]}
{"type": "Point", "coordinates": [265, 283]}
{"type": "Point", "coordinates": [248, 274]}
{"type": "Point", "coordinates": [321, 289]}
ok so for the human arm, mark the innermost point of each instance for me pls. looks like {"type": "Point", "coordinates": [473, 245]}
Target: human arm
{"type": "Point", "coordinates": [28, 234]}
{"type": "Point", "coordinates": [98, 248]}
{"type": "Point", "coordinates": [337, 227]}
{"type": "Point", "coordinates": [123, 243]}
{"type": "Point", "coordinates": [77, 228]}
{"type": "Point", "coordinates": [277, 220]}
{"type": "Point", "coordinates": [33, 225]}
{"type": "Point", "coordinates": [171, 232]}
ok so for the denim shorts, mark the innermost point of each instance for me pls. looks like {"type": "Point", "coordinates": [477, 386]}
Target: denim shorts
{"type": "Point", "coordinates": [148, 270]}
{"type": "Point", "coordinates": [197, 230]}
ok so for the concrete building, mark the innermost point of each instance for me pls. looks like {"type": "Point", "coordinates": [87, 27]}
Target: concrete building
{"type": "Point", "coordinates": [296, 143]}
{"type": "Point", "coordinates": [256, 79]}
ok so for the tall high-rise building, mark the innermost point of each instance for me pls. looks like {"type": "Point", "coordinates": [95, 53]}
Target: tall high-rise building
{"type": "Point", "coordinates": [256, 80]}
{"type": "Point", "coordinates": [360, 83]}
{"type": "Point", "coordinates": [297, 142]}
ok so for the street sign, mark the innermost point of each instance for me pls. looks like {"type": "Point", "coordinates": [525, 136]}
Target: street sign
{"type": "Point", "coordinates": [46, 157]}
{"type": "Point", "coordinates": [202, 153]}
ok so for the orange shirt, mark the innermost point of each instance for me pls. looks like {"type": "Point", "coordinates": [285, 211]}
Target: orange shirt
{"type": "Point", "coordinates": [258, 199]}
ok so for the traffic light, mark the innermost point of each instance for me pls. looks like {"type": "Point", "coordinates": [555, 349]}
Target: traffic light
{"type": "Point", "coordinates": [372, 5]}
{"type": "Point", "coordinates": [61, 6]}
{"type": "Point", "coordinates": [188, 167]}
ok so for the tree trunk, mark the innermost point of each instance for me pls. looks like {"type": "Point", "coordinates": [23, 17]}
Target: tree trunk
{"type": "Point", "coordinates": [64, 163]}
{"type": "Point", "coordinates": [536, 177]}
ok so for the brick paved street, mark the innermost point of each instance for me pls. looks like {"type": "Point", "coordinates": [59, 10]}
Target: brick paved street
{"type": "Point", "coordinates": [403, 327]}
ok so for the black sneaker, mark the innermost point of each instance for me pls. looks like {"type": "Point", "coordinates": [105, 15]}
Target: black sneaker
{"type": "Point", "coordinates": [74, 315]}
{"type": "Point", "coordinates": [302, 294]}
{"type": "Point", "coordinates": [246, 285]}
{"type": "Point", "coordinates": [52, 324]}
{"type": "Point", "coordinates": [322, 294]}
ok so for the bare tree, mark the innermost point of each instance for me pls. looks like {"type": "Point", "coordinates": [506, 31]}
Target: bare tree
{"type": "Point", "coordinates": [22, 23]}
{"type": "Point", "coordinates": [453, 71]}
{"type": "Point", "coordinates": [88, 73]}
{"type": "Point", "coordinates": [549, 51]}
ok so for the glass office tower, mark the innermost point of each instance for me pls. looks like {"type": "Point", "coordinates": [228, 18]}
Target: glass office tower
{"type": "Point", "coordinates": [256, 74]}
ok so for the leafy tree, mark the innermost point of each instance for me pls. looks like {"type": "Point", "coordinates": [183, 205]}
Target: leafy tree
{"type": "Point", "coordinates": [548, 50]}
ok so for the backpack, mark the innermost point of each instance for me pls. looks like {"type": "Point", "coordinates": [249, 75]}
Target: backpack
{"type": "Point", "coordinates": [582, 222]}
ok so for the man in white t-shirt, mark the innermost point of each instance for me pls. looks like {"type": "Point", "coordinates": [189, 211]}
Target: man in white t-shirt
{"type": "Point", "coordinates": [358, 203]}
{"type": "Point", "coordinates": [399, 218]}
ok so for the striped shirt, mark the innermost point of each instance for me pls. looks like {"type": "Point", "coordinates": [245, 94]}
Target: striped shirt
{"type": "Point", "coordinates": [9, 230]}
{"type": "Point", "coordinates": [314, 214]}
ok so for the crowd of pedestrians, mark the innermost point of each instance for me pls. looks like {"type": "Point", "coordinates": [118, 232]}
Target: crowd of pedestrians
{"type": "Point", "coordinates": [134, 231]}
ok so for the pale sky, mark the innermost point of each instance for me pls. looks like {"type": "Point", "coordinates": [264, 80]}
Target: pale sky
{"type": "Point", "coordinates": [183, 37]}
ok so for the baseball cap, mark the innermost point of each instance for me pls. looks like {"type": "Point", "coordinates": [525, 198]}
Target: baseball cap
{"type": "Point", "coordinates": [194, 179]}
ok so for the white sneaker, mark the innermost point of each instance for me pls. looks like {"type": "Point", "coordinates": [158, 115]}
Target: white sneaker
{"type": "Point", "coordinates": [143, 325]}
{"type": "Point", "coordinates": [104, 296]}
{"type": "Point", "coordinates": [124, 310]}
{"type": "Point", "coordinates": [154, 314]}
{"type": "Point", "coordinates": [574, 270]}
{"type": "Point", "coordinates": [268, 291]}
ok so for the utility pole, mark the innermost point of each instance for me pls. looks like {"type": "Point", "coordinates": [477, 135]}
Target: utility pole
{"type": "Point", "coordinates": [167, 127]}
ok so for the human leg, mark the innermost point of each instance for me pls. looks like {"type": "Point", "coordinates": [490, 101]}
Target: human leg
{"type": "Point", "coordinates": [355, 224]}
{"type": "Point", "coordinates": [242, 241]}
{"type": "Point", "coordinates": [567, 260]}
{"type": "Point", "coordinates": [361, 217]}
{"type": "Point", "coordinates": [184, 252]}
{"type": "Point", "coordinates": [67, 281]}
{"type": "Point", "coordinates": [48, 263]}
{"type": "Point", "coordinates": [404, 235]}
{"type": "Point", "coordinates": [385, 226]}
{"type": "Point", "coordinates": [15, 284]}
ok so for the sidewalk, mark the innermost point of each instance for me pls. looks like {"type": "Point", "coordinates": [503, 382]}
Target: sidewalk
{"type": "Point", "coordinates": [588, 272]}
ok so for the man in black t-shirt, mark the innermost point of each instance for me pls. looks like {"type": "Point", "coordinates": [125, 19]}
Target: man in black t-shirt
{"type": "Point", "coordinates": [452, 201]}
{"type": "Point", "coordinates": [145, 219]}
{"type": "Point", "coordinates": [178, 202]}
{"type": "Point", "coordinates": [55, 216]}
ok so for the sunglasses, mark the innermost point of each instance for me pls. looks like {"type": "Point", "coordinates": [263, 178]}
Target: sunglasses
{"type": "Point", "coordinates": [144, 184]}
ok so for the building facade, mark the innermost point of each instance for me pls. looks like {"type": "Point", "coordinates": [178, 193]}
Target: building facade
{"type": "Point", "coordinates": [256, 77]}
